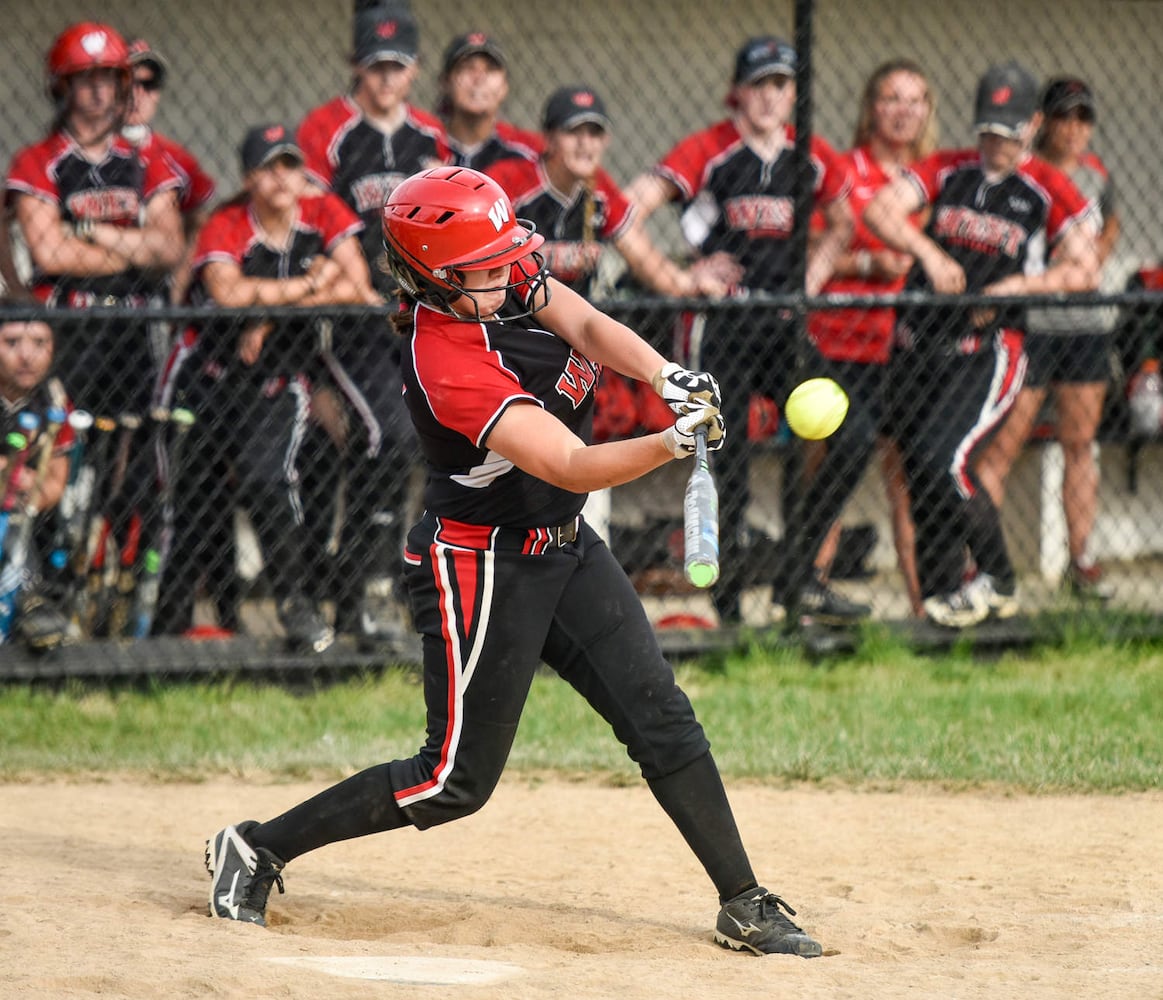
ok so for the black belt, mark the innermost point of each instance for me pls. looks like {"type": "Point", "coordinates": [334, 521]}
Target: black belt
{"type": "Point", "coordinates": [563, 534]}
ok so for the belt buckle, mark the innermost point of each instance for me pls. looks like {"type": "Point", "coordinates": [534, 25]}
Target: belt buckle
{"type": "Point", "coordinates": [563, 534]}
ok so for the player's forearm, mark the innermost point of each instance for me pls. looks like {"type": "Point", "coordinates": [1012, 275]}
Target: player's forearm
{"type": "Point", "coordinates": [147, 247]}
{"type": "Point", "coordinates": [612, 463]}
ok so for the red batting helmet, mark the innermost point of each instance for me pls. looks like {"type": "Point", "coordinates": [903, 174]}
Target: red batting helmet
{"type": "Point", "coordinates": [84, 46]}
{"type": "Point", "coordinates": [450, 219]}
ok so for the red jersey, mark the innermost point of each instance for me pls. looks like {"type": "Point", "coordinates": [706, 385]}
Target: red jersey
{"type": "Point", "coordinates": [349, 156]}
{"type": "Point", "coordinates": [993, 228]}
{"type": "Point", "coordinates": [860, 335]}
{"type": "Point", "coordinates": [575, 224]}
{"type": "Point", "coordinates": [196, 187]}
{"type": "Point", "coordinates": [115, 189]}
{"type": "Point", "coordinates": [459, 378]}
{"type": "Point", "coordinates": [507, 142]}
{"type": "Point", "coordinates": [233, 235]}
{"type": "Point", "coordinates": [737, 202]}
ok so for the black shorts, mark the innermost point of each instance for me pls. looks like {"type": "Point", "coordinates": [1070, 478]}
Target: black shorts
{"type": "Point", "coordinates": [1057, 358]}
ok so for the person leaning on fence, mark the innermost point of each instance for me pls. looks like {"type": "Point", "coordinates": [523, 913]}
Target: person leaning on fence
{"type": "Point", "coordinates": [1001, 222]}
{"type": "Point", "coordinates": [1069, 347]}
{"type": "Point", "coordinates": [360, 146]}
{"type": "Point", "coordinates": [196, 189]}
{"type": "Point", "coordinates": [503, 573]}
{"type": "Point", "coordinates": [896, 125]}
{"type": "Point", "coordinates": [736, 181]}
{"type": "Point", "coordinates": [248, 380]}
{"type": "Point", "coordinates": [26, 386]}
{"type": "Point", "coordinates": [103, 229]}
{"type": "Point", "coordinates": [474, 83]}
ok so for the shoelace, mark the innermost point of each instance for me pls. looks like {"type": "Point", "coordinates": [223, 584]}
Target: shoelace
{"type": "Point", "coordinates": [259, 889]}
{"type": "Point", "coordinates": [769, 907]}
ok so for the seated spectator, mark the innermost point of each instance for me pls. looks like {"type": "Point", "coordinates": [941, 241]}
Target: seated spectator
{"type": "Point", "coordinates": [248, 381]}
{"type": "Point", "coordinates": [26, 354]}
{"type": "Point", "coordinates": [196, 187]}
{"type": "Point", "coordinates": [473, 85]}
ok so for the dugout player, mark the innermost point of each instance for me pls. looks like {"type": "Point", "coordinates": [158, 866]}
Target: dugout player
{"type": "Point", "coordinates": [249, 381]}
{"type": "Point", "coordinates": [474, 83]}
{"type": "Point", "coordinates": [196, 188]}
{"type": "Point", "coordinates": [579, 208]}
{"type": "Point", "coordinates": [1002, 222]}
{"type": "Point", "coordinates": [736, 183]}
{"type": "Point", "coordinates": [360, 146]}
{"type": "Point", "coordinates": [26, 386]}
{"type": "Point", "coordinates": [501, 362]}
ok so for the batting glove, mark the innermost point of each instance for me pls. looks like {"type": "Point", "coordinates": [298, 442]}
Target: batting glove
{"type": "Point", "coordinates": [680, 438]}
{"type": "Point", "coordinates": [682, 390]}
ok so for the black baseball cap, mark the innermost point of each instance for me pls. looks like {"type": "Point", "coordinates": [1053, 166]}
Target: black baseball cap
{"type": "Point", "coordinates": [386, 33]}
{"type": "Point", "coordinates": [569, 107]}
{"type": "Point", "coordinates": [764, 56]}
{"type": "Point", "coordinates": [141, 53]}
{"type": "Point", "coordinates": [1068, 93]}
{"type": "Point", "coordinates": [471, 44]}
{"type": "Point", "coordinates": [264, 143]}
{"type": "Point", "coordinates": [1007, 97]}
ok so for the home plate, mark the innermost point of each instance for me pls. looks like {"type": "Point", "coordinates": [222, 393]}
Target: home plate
{"type": "Point", "coordinates": [405, 969]}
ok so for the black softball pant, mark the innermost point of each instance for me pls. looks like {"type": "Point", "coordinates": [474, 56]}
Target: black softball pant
{"type": "Point", "coordinates": [946, 407]}
{"type": "Point", "coordinates": [490, 606]}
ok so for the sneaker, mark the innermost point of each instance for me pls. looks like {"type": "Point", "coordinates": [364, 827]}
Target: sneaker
{"type": "Point", "coordinates": [304, 624]}
{"type": "Point", "coordinates": [382, 616]}
{"type": "Point", "coordinates": [241, 875]}
{"type": "Point", "coordinates": [1087, 583]}
{"type": "Point", "coordinates": [1001, 599]}
{"type": "Point", "coordinates": [960, 608]}
{"type": "Point", "coordinates": [753, 922]}
{"type": "Point", "coordinates": [820, 603]}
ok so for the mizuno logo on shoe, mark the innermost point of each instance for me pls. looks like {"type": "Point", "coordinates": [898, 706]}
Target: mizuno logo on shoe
{"type": "Point", "coordinates": [226, 899]}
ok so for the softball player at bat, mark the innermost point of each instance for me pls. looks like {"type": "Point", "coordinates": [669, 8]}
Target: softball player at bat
{"type": "Point", "coordinates": [500, 365]}
{"type": "Point", "coordinates": [1002, 222]}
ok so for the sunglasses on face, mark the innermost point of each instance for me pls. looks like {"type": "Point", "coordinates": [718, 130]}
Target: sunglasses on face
{"type": "Point", "coordinates": [150, 83]}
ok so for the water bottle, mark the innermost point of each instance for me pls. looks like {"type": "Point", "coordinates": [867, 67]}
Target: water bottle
{"type": "Point", "coordinates": [1145, 399]}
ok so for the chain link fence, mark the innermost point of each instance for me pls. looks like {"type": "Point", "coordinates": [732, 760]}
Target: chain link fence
{"type": "Point", "coordinates": [264, 504]}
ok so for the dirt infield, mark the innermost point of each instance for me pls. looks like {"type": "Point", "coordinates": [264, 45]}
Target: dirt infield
{"type": "Point", "coordinates": [569, 890]}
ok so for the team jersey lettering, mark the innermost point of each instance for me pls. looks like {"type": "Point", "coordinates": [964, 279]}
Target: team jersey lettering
{"type": "Point", "coordinates": [760, 214]}
{"type": "Point", "coordinates": [979, 231]}
{"type": "Point", "coordinates": [569, 260]}
{"type": "Point", "coordinates": [578, 379]}
{"type": "Point", "coordinates": [114, 204]}
{"type": "Point", "coordinates": [369, 193]}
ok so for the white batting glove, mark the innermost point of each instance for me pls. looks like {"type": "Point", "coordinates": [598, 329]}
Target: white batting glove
{"type": "Point", "coordinates": [682, 389]}
{"type": "Point", "coordinates": [680, 438]}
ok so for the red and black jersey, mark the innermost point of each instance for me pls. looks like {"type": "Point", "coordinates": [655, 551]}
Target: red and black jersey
{"type": "Point", "coordinates": [574, 224]}
{"type": "Point", "coordinates": [859, 335]}
{"type": "Point", "coordinates": [506, 143]}
{"type": "Point", "coordinates": [196, 187]}
{"type": "Point", "coordinates": [459, 377]}
{"type": "Point", "coordinates": [349, 156]}
{"type": "Point", "coordinates": [233, 234]}
{"type": "Point", "coordinates": [114, 190]}
{"type": "Point", "coordinates": [993, 228]}
{"type": "Point", "coordinates": [744, 205]}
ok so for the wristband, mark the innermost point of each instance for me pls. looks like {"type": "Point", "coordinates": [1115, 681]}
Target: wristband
{"type": "Point", "coordinates": [83, 228]}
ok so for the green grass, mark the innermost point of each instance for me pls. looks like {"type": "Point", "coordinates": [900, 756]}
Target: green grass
{"type": "Point", "coordinates": [1086, 719]}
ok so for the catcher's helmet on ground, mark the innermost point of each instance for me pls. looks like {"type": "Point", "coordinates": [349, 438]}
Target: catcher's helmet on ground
{"type": "Point", "coordinates": [85, 46]}
{"type": "Point", "coordinates": [451, 219]}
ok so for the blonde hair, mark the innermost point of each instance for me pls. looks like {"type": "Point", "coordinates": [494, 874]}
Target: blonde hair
{"type": "Point", "coordinates": [927, 140]}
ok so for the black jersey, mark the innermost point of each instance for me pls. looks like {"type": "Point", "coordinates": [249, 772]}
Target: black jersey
{"type": "Point", "coordinates": [348, 155]}
{"type": "Point", "coordinates": [744, 205]}
{"type": "Point", "coordinates": [459, 377]}
{"type": "Point", "coordinates": [506, 143]}
{"type": "Point", "coordinates": [993, 228]}
{"type": "Point", "coordinates": [115, 190]}
{"type": "Point", "coordinates": [232, 234]}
